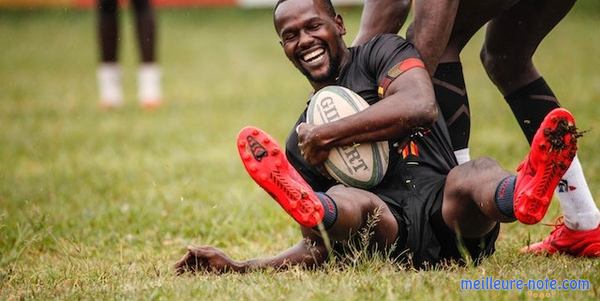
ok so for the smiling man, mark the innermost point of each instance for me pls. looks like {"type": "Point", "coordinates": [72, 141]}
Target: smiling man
{"type": "Point", "coordinates": [425, 200]}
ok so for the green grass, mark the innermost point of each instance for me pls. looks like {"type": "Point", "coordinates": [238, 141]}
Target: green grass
{"type": "Point", "coordinates": [97, 205]}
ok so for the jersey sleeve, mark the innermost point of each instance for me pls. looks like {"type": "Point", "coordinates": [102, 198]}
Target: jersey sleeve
{"type": "Point", "coordinates": [388, 56]}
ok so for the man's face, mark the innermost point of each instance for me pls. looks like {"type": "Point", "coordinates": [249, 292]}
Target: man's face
{"type": "Point", "coordinates": [311, 38]}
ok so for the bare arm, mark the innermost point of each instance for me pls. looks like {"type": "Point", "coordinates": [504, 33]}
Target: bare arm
{"type": "Point", "coordinates": [431, 29]}
{"type": "Point", "coordinates": [409, 103]}
{"type": "Point", "coordinates": [309, 252]}
{"type": "Point", "coordinates": [381, 16]}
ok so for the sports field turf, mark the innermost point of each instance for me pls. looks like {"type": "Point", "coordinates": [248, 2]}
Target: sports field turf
{"type": "Point", "coordinates": [98, 205]}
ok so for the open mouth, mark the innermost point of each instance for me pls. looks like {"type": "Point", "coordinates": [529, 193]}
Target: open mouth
{"type": "Point", "coordinates": [314, 56]}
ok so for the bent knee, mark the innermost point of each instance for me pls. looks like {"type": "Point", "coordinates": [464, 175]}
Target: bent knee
{"type": "Point", "coordinates": [484, 163]}
{"type": "Point", "coordinates": [503, 66]}
{"type": "Point", "coordinates": [462, 178]}
{"type": "Point", "coordinates": [357, 200]}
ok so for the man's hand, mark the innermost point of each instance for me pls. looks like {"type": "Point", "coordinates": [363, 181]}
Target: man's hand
{"type": "Point", "coordinates": [205, 258]}
{"type": "Point", "coordinates": [311, 146]}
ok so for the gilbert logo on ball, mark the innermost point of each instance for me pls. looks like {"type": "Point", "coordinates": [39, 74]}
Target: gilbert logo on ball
{"type": "Point", "coordinates": [360, 165]}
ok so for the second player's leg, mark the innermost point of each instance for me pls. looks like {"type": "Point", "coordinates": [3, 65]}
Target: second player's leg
{"type": "Point", "coordinates": [507, 57]}
{"type": "Point", "coordinates": [448, 79]}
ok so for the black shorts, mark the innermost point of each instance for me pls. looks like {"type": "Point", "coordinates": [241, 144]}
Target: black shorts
{"type": "Point", "coordinates": [414, 194]}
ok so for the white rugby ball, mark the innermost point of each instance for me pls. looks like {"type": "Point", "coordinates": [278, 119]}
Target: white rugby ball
{"type": "Point", "coordinates": [362, 165]}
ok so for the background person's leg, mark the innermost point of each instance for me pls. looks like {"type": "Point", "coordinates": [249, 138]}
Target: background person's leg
{"type": "Point", "coordinates": [149, 75]}
{"type": "Point", "coordinates": [109, 72]}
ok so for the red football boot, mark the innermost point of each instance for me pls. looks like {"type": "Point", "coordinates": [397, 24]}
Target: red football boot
{"type": "Point", "coordinates": [553, 148]}
{"type": "Point", "coordinates": [267, 165]}
{"type": "Point", "coordinates": [566, 241]}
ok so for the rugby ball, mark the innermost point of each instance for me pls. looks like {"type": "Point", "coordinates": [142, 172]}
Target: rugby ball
{"type": "Point", "coordinates": [360, 165]}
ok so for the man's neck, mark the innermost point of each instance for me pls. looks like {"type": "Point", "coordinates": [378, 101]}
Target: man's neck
{"type": "Point", "coordinates": [342, 67]}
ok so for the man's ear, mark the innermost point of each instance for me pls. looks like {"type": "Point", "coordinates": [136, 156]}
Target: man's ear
{"type": "Point", "coordinates": [339, 22]}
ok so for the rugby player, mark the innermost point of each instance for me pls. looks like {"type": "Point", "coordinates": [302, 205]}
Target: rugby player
{"type": "Point", "coordinates": [426, 202]}
{"type": "Point", "coordinates": [440, 30]}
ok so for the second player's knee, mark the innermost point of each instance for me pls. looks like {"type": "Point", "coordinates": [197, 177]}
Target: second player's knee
{"type": "Point", "coordinates": [495, 65]}
{"type": "Point", "coordinates": [503, 67]}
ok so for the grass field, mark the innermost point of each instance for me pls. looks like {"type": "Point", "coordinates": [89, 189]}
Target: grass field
{"type": "Point", "coordinates": [97, 205]}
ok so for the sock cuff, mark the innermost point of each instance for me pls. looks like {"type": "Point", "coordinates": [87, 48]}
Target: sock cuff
{"type": "Point", "coordinates": [462, 155]}
{"type": "Point", "coordinates": [109, 84]}
{"type": "Point", "coordinates": [537, 86]}
{"type": "Point", "coordinates": [149, 67]}
{"type": "Point", "coordinates": [109, 69]}
{"type": "Point", "coordinates": [504, 196]}
{"type": "Point", "coordinates": [149, 76]}
{"type": "Point", "coordinates": [330, 210]}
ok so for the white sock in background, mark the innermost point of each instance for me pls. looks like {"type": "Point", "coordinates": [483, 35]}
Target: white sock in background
{"type": "Point", "coordinates": [149, 90]}
{"type": "Point", "coordinates": [578, 206]}
{"type": "Point", "coordinates": [462, 155]}
{"type": "Point", "coordinates": [109, 84]}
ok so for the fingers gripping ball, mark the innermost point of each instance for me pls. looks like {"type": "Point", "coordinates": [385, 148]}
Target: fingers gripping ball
{"type": "Point", "coordinates": [360, 165]}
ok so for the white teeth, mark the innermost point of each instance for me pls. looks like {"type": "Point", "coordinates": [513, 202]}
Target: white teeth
{"type": "Point", "coordinates": [313, 54]}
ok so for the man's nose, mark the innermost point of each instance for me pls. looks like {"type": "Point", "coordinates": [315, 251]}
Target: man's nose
{"type": "Point", "coordinates": [305, 39]}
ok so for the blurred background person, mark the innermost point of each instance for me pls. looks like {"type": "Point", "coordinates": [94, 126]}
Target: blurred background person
{"type": "Point", "coordinates": [109, 71]}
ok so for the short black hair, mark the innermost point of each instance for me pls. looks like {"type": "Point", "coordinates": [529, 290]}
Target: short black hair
{"type": "Point", "coordinates": [325, 3]}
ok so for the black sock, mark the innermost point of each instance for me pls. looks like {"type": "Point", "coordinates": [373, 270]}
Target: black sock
{"type": "Point", "coordinates": [530, 104]}
{"type": "Point", "coordinates": [329, 208]}
{"type": "Point", "coordinates": [504, 196]}
{"type": "Point", "coordinates": [451, 95]}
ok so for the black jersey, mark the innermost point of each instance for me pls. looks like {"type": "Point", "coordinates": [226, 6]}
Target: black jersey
{"type": "Point", "coordinates": [368, 66]}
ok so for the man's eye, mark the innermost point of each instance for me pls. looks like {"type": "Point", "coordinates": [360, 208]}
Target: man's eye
{"type": "Point", "coordinates": [288, 37]}
{"type": "Point", "coordinates": [314, 26]}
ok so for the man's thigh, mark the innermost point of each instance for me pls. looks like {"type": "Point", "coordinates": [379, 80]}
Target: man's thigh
{"type": "Point", "coordinates": [518, 31]}
{"type": "Point", "coordinates": [471, 16]}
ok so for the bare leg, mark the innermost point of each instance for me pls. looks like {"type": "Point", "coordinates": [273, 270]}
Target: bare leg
{"type": "Point", "coordinates": [507, 56]}
{"type": "Point", "coordinates": [468, 206]}
{"type": "Point", "coordinates": [354, 206]}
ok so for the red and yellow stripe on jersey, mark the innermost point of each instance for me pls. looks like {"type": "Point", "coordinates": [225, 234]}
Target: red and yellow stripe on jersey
{"type": "Point", "coordinates": [396, 71]}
